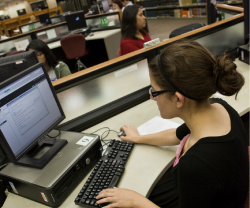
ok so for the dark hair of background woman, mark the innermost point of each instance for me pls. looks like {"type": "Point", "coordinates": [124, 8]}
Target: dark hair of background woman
{"type": "Point", "coordinates": [119, 3]}
{"type": "Point", "coordinates": [39, 45]}
{"type": "Point", "coordinates": [129, 21]}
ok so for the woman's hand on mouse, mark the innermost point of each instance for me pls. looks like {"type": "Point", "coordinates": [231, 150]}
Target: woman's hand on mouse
{"type": "Point", "coordinates": [132, 134]}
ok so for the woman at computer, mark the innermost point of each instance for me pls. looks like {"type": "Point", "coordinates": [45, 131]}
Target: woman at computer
{"type": "Point", "coordinates": [56, 69]}
{"type": "Point", "coordinates": [211, 165]}
{"type": "Point", "coordinates": [133, 35]}
{"type": "Point", "coordinates": [117, 5]}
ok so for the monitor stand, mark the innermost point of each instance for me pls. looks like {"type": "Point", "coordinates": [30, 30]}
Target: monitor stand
{"type": "Point", "coordinates": [55, 145]}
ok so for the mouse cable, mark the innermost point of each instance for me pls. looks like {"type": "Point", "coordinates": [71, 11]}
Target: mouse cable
{"type": "Point", "coordinates": [104, 136]}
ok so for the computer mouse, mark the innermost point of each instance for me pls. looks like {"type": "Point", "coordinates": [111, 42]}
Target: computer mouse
{"type": "Point", "coordinates": [121, 133]}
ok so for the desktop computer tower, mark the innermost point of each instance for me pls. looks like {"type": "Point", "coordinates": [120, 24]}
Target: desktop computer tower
{"type": "Point", "coordinates": [53, 184]}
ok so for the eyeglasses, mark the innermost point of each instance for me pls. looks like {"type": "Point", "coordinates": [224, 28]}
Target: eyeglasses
{"type": "Point", "coordinates": [39, 54]}
{"type": "Point", "coordinates": [154, 94]}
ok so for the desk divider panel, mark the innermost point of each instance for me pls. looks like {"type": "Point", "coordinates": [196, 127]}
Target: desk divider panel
{"type": "Point", "coordinates": [9, 46]}
{"type": "Point", "coordinates": [218, 42]}
{"type": "Point", "coordinates": [223, 36]}
{"type": "Point", "coordinates": [103, 95]}
{"type": "Point", "coordinates": [52, 33]}
{"type": "Point", "coordinates": [104, 21]}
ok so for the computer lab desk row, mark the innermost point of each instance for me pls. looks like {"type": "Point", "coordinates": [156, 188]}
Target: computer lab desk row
{"type": "Point", "coordinates": [146, 163]}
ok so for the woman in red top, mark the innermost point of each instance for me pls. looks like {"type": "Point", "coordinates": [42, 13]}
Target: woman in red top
{"type": "Point", "coordinates": [133, 35]}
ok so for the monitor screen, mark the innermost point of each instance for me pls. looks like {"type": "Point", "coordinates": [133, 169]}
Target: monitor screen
{"type": "Point", "coordinates": [105, 6]}
{"type": "Point", "coordinates": [76, 21]}
{"type": "Point", "coordinates": [14, 64]}
{"type": "Point", "coordinates": [44, 18]}
{"type": "Point", "coordinates": [29, 109]}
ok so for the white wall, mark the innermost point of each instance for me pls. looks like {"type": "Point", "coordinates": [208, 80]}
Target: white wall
{"type": "Point", "coordinates": [51, 4]}
{"type": "Point", "coordinates": [3, 10]}
{"type": "Point", "coordinates": [13, 6]}
{"type": "Point", "coordinates": [27, 7]}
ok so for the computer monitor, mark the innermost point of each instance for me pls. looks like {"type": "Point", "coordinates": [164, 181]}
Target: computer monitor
{"type": "Point", "coordinates": [105, 6]}
{"type": "Point", "coordinates": [44, 19]}
{"type": "Point", "coordinates": [21, 12]}
{"type": "Point", "coordinates": [14, 64]}
{"type": "Point", "coordinates": [29, 110]}
{"type": "Point", "coordinates": [76, 21]}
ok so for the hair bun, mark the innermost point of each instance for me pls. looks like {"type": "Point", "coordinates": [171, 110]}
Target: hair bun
{"type": "Point", "coordinates": [227, 79]}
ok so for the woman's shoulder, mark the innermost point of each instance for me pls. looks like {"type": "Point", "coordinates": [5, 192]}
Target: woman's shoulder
{"type": "Point", "coordinates": [61, 65]}
{"type": "Point", "coordinates": [232, 112]}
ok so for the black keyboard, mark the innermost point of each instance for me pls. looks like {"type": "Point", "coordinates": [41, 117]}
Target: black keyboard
{"type": "Point", "coordinates": [106, 173]}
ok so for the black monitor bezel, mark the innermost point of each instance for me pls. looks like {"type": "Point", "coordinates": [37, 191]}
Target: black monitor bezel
{"type": "Point", "coordinates": [68, 18]}
{"type": "Point", "coordinates": [3, 142]}
{"type": "Point", "coordinates": [42, 15]}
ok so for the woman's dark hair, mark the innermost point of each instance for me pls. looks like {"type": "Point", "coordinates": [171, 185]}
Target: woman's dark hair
{"type": "Point", "coordinates": [39, 45]}
{"type": "Point", "coordinates": [129, 21]}
{"type": "Point", "coordinates": [195, 71]}
{"type": "Point", "coordinates": [118, 2]}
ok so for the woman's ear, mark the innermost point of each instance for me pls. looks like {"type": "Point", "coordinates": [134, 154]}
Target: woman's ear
{"type": "Point", "coordinates": [179, 100]}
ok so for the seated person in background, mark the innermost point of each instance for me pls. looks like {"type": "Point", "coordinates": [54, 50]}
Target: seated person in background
{"type": "Point", "coordinates": [211, 169]}
{"type": "Point", "coordinates": [126, 3]}
{"type": "Point", "coordinates": [55, 69]}
{"type": "Point", "coordinates": [133, 35]}
{"type": "Point", "coordinates": [117, 5]}
{"type": "Point", "coordinates": [32, 18]}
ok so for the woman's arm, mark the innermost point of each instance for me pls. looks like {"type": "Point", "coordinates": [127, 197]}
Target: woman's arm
{"type": "Point", "coordinates": [164, 138]}
{"type": "Point", "coordinates": [119, 197]}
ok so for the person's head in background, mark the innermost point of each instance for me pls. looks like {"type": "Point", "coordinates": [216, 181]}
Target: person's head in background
{"type": "Point", "coordinates": [125, 2]}
{"type": "Point", "coordinates": [43, 52]}
{"type": "Point", "coordinates": [192, 72]}
{"type": "Point", "coordinates": [32, 18]}
{"type": "Point", "coordinates": [117, 5]}
{"type": "Point", "coordinates": [133, 21]}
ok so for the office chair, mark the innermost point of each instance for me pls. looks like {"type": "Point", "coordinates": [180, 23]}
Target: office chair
{"type": "Point", "coordinates": [74, 47]}
{"type": "Point", "coordinates": [185, 29]}
{"type": "Point", "coordinates": [15, 52]}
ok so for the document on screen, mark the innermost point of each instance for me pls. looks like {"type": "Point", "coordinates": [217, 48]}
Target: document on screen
{"type": "Point", "coordinates": [28, 109]}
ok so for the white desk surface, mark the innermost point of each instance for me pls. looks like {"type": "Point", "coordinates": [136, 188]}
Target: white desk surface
{"type": "Point", "coordinates": [97, 35]}
{"type": "Point", "coordinates": [141, 171]}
